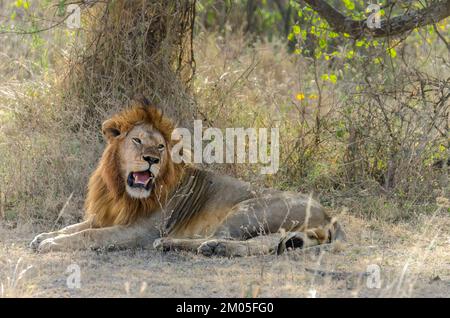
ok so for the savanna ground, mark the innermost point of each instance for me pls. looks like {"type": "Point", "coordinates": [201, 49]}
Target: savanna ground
{"type": "Point", "coordinates": [361, 137]}
{"type": "Point", "coordinates": [413, 260]}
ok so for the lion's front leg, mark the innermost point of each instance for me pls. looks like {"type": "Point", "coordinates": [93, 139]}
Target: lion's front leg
{"type": "Point", "coordinates": [67, 230]}
{"type": "Point", "coordinates": [166, 244]}
{"type": "Point", "coordinates": [259, 245]}
{"type": "Point", "coordinates": [117, 236]}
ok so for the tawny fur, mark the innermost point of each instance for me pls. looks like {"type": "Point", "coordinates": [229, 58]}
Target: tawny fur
{"type": "Point", "coordinates": [107, 203]}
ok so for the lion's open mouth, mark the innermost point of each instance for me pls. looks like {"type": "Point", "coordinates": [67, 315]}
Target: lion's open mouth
{"type": "Point", "coordinates": [140, 179]}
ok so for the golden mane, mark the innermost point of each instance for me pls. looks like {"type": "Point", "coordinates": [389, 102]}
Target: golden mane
{"type": "Point", "coordinates": [107, 202]}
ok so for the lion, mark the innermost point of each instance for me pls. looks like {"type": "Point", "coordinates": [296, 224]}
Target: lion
{"type": "Point", "coordinates": [139, 197]}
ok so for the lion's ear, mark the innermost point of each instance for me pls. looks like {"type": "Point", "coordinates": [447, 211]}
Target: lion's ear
{"type": "Point", "coordinates": [142, 100]}
{"type": "Point", "coordinates": [109, 130]}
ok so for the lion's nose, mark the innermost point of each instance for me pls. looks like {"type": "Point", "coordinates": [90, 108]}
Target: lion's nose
{"type": "Point", "coordinates": [151, 160]}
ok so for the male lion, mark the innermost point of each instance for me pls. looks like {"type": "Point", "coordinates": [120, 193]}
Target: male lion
{"type": "Point", "coordinates": [138, 196]}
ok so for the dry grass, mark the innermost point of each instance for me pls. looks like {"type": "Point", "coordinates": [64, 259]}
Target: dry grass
{"type": "Point", "coordinates": [48, 151]}
{"type": "Point", "coordinates": [413, 261]}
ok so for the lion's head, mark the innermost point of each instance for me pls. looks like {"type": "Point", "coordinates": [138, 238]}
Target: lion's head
{"type": "Point", "coordinates": [136, 173]}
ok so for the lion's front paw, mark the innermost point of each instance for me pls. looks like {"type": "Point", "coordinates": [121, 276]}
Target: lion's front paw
{"type": "Point", "coordinates": [49, 245]}
{"type": "Point", "coordinates": [213, 247]}
{"type": "Point", "coordinates": [34, 245]}
{"type": "Point", "coordinates": [158, 244]}
{"type": "Point", "coordinates": [164, 244]}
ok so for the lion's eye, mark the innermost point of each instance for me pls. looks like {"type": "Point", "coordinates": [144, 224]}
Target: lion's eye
{"type": "Point", "coordinates": [160, 146]}
{"type": "Point", "coordinates": [137, 141]}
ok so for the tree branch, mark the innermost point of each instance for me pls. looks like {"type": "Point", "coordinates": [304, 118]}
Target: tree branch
{"type": "Point", "coordinates": [435, 12]}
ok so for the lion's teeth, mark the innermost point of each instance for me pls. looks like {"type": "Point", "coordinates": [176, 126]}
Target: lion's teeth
{"type": "Point", "coordinates": [137, 181]}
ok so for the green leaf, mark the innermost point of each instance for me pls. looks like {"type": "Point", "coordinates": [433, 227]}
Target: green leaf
{"type": "Point", "coordinates": [392, 52]}
{"type": "Point", "coordinates": [296, 29]}
{"type": "Point", "coordinates": [333, 35]}
{"type": "Point", "coordinates": [304, 35]}
{"type": "Point", "coordinates": [349, 4]}
{"type": "Point", "coordinates": [62, 9]}
{"type": "Point", "coordinates": [333, 78]}
{"type": "Point", "coordinates": [318, 54]}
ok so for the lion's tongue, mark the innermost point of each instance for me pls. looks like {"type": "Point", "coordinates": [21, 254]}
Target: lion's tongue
{"type": "Point", "coordinates": [141, 177]}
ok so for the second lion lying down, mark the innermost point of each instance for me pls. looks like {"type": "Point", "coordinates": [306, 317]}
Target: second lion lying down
{"type": "Point", "coordinates": [138, 196]}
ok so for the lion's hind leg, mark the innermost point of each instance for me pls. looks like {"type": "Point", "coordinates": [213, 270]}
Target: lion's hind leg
{"type": "Point", "coordinates": [259, 245]}
{"type": "Point", "coordinates": [274, 243]}
{"type": "Point", "coordinates": [312, 237]}
{"type": "Point", "coordinates": [299, 240]}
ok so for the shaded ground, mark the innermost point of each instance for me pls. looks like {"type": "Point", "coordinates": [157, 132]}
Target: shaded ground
{"type": "Point", "coordinates": [414, 260]}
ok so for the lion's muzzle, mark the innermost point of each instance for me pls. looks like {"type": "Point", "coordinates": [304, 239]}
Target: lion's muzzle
{"type": "Point", "coordinates": [140, 179]}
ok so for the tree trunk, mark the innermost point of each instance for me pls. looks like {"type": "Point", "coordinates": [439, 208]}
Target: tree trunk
{"type": "Point", "coordinates": [134, 48]}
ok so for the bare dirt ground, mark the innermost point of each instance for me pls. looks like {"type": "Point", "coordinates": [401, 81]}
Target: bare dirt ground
{"type": "Point", "coordinates": [413, 261]}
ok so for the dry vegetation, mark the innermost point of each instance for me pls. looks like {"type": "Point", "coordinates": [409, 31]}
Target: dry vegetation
{"type": "Point", "coordinates": [413, 261]}
{"type": "Point", "coordinates": [365, 152]}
